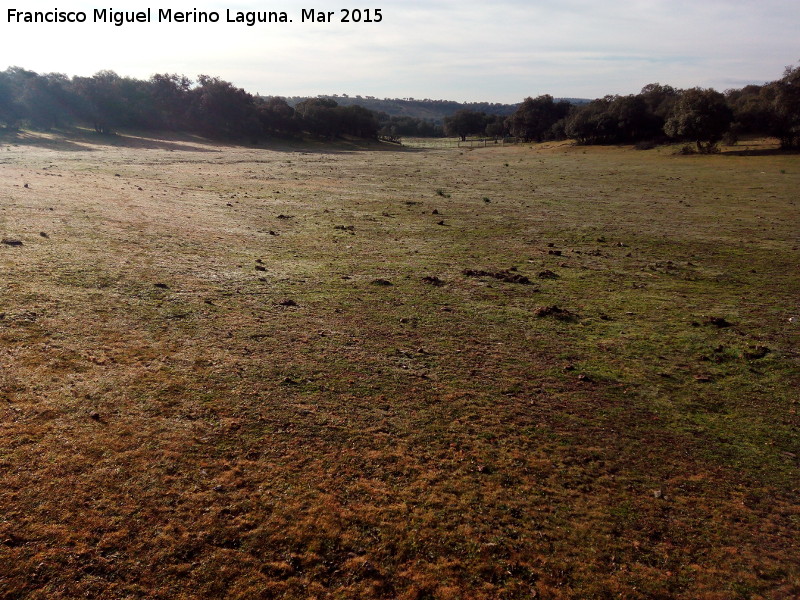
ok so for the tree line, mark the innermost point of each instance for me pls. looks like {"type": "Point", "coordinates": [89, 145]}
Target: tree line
{"type": "Point", "coordinates": [209, 106]}
{"type": "Point", "coordinates": [213, 107]}
{"type": "Point", "coordinates": [659, 113]}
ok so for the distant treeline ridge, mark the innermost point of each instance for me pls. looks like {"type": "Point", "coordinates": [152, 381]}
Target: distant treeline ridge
{"type": "Point", "coordinates": [659, 113]}
{"type": "Point", "coordinates": [214, 107]}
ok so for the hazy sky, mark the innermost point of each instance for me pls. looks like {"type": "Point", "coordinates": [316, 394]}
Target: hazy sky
{"type": "Point", "coordinates": [501, 51]}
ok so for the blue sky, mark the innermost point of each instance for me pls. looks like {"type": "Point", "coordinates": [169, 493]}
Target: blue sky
{"type": "Point", "coordinates": [499, 51]}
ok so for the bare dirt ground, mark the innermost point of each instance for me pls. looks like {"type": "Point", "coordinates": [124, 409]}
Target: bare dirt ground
{"type": "Point", "coordinates": [353, 371]}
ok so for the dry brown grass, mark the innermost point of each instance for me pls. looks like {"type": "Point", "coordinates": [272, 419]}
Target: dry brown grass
{"type": "Point", "coordinates": [172, 427]}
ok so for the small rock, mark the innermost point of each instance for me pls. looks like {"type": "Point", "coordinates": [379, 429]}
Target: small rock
{"type": "Point", "coordinates": [547, 274]}
{"type": "Point", "coordinates": [562, 314]}
{"type": "Point", "coordinates": [716, 322]}
{"type": "Point", "coordinates": [433, 280]}
{"type": "Point", "coordinates": [43, 234]}
{"type": "Point", "coordinates": [506, 275]}
{"type": "Point", "coordinates": [757, 352]}
{"type": "Point", "coordinates": [12, 242]}
{"type": "Point", "coordinates": [161, 286]}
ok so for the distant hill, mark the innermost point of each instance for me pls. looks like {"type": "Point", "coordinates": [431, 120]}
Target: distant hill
{"type": "Point", "coordinates": [430, 110]}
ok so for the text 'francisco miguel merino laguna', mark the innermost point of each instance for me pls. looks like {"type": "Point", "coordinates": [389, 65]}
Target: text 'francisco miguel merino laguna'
{"type": "Point", "coordinates": [168, 15]}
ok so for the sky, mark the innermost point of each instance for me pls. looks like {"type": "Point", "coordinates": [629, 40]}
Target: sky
{"type": "Point", "coordinates": [468, 50]}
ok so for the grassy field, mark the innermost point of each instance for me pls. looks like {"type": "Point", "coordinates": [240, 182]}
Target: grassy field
{"type": "Point", "coordinates": [374, 372]}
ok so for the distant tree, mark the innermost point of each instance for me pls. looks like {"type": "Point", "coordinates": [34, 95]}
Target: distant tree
{"type": "Point", "coordinates": [784, 100]}
{"type": "Point", "coordinates": [318, 116]}
{"type": "Point", "coordinates": [465, 122]}
{"type": "Point", "coordinates": [659, 99]}
{"type": "Point", "coordinates": [357, 121]}
{"type": "Point", "coordinates": [633, 119]}
{"type": "Point", "coordinates": [700, 115]}
{"type": "Point", "coordinates": [497, 127]}
{"type": "Point", "coordinates": [169, 100]}
{"type": "Point", "coordinates": [535, 117]}
{"type": "Point", "coordinates": [752, 109]}
{"type": "Point", "coordinates": [405, 125]}
{"type": "Point", "coordinates": [136, 100]}
{"type": "Point", "coordinates": [100, 100]}
{"type": "Point", "coordinates": [325, 118]}
{"type": "Point", "coordinates": [276, 117]}
{"type": "Point", "coordinates": [308, 106]}
{"type": "Point", "coordinates": [46, 100]}
{"type": "Point", "coordinates": [557, 130]}
{"type": "Point", "coordinates": [592, 123]}
{"type": "Point", "coordinates": [427, 128]}
{"type": "Point", "coordinates": [218, 108]}
{"type": "Point", "coordinates": [613, 120]}
{"type": "Point", "coordinates": [10, 110]}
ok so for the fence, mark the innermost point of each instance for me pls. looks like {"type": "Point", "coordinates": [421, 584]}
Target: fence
{"type": "Point", "coordinates": [457, 143]}
{"type": "Point", "coordinates": [487, 142]}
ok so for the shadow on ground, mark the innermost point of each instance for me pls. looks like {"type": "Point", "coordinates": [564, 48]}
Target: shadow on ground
{"type": "Point", "coordinates": [87, 140]}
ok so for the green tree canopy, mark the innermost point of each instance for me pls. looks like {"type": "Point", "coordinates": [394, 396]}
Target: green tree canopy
{"type": "Point", "coordinates": [465, 122]}
{"type": "Point", "coordinates": [784, 107]}
{"type": "Point", "coordinates": [700, 115]}
{"type": "Point", "coordinates": [535, 117]}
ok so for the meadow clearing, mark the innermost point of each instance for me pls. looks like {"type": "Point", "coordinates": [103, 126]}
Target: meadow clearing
{"type": "Point", "coordinates": [363, 371]}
